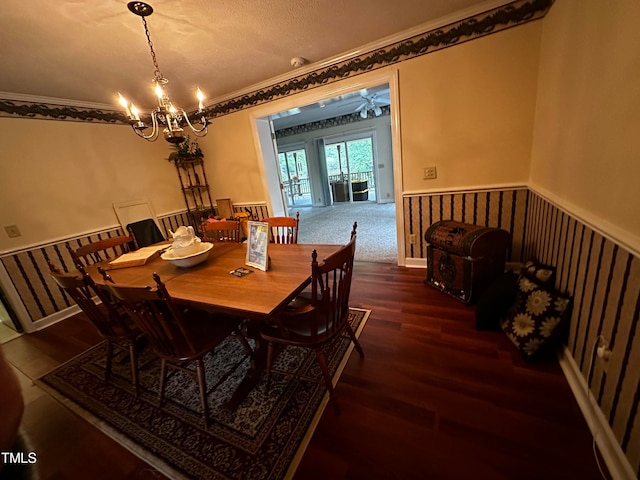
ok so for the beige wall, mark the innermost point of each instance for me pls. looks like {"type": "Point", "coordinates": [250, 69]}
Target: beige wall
{"type": "Point", "coordinates": [231, 160]}
{"type": "Point", "coordinates": [469, 111]}
{"type": "Point", "coordinates": [59, 179]}
{"type": "Point", "coordinates": [587, 128]}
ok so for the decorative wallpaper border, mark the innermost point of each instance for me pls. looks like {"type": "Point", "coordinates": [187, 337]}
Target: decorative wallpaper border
{"type": "Point", "coordinates": [328, 123]}
{"type": "Point", "coordinates": [15, 108]}
{"type": "Point", "coordinates": [492, 21]}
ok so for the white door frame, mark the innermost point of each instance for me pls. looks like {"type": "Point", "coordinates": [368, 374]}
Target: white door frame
{"type": "Point", "coordinates": [267, 150]}
{"type": "Point", "coordinates": [342, 87]}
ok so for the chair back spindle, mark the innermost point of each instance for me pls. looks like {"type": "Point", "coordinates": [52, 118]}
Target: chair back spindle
{"type": "Point", "coordinates": [283, 229]}
{"type": "Point", "coordinates": [326, 318]}
{"type": "Point", "coordinates": [331, 286]}
{"type": "Point", "coordinates": [221, 231]}
{"type": "Point", "coordinates": [159, 318]}
{"type": "Point", "coordinates": [82, 289]}
{"type": "Point", "coordinates": [101, 250]}
{"type": "Point", "coordinates": [111, 321]}
{"type": "Point", "coordinates": [178, 336]}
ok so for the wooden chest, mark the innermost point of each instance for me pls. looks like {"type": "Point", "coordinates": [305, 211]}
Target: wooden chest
{"type": "Point", "coordinates": [462, 259]}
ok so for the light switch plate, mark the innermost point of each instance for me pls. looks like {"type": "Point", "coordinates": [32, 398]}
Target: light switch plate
{"type": "Point", "coordinates": [12, 231]}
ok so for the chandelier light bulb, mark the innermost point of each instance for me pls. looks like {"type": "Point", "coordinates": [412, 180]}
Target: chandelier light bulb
{"type": "Point", "coordinates": [125, 104]}
{"type": "Point", "coordinates": [135, 112]}
{"type": "Point", "coordinates": [200, 96]}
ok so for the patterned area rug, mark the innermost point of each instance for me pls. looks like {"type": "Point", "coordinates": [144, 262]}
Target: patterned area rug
{"type": "Point", "coordinates": [262, 438]}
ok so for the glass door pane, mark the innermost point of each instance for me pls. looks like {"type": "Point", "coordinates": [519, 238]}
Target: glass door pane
{"type": "Point", "coordinates": [360, 155]}
{"type": "Point", "coordinates": [295, 177]}
{"type": "Point", "coordinates": [350, 169]}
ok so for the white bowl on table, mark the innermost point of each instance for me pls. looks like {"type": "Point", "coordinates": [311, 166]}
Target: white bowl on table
{"type": "Point", "coordinates": [188, 260]}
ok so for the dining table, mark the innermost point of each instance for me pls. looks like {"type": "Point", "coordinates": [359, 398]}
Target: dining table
{"type": "Point", "coordinates": [257, 297]}
{"type": "Point", "coordinates": [212, 286]}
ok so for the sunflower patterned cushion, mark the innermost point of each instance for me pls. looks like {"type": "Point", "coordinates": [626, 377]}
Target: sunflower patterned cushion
{"type": "Point", "coordinates": [541, 273]}
{"type": "Point", "coordinates": [536, 320]}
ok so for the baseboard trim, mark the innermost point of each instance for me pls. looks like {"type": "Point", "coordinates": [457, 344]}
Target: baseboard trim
{"type": "Point", "coordinates": [415, 262]}
{"type": "Point", "coordinates": [56, 317]}
{"type": "Point", "coordinates": [614, 458]}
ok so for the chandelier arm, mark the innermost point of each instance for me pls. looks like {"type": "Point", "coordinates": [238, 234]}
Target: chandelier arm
{"type": "Point", "coordinates": [199, 132]}
{"type": "Point", "coordinates": [154, 130]}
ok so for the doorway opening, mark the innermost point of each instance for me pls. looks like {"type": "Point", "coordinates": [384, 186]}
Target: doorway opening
{"type": "Point", "coordinates": [358, 146]}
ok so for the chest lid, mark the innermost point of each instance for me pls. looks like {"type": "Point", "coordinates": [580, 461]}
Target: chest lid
{"type": "Point", "coordinates": [467, 239]}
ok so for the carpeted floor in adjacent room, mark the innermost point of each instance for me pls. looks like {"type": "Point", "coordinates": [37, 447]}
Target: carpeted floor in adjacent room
{"type": "Point", "coordinates": [377, 240]}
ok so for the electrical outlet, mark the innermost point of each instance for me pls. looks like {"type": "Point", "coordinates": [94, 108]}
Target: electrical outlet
{"type": "Point", "coordinates": [12, 231]}
{"type": "Point", "coordinates": [430, 173]}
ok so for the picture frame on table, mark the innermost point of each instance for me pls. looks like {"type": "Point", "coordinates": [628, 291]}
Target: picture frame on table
{"type": "Point", "coordinates": [257, 245]}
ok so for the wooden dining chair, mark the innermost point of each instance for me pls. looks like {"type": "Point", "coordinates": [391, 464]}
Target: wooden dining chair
{"type": "Point", "coordinates": [322, 321]}
{"type": "Point", "coordinates": [283, 229]}
{"type": "Point", "coordinates": [177, 335]}
{"type": "Point", "coordinates": [105, 249]}
{"type": "Point", "coordinates": [113, 323]}
{"type": "Point", "coordinates": [221, 231]}
{"type": "Point", "coordinates": [304, 298]}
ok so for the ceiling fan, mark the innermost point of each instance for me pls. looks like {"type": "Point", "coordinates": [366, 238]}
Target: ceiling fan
{"type": "Point", "coordinates": [369, 105]}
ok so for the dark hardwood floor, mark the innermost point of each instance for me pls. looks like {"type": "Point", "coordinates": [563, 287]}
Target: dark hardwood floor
{"type": "Point", "coordinates": [433, 399]}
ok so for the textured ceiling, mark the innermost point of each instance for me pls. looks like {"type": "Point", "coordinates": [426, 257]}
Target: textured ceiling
{"type": "Point", "coordinates": [87, 50]}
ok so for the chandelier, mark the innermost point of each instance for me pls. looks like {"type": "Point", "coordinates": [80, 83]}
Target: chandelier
{"type": "Point", "coordinates": [165, 114]}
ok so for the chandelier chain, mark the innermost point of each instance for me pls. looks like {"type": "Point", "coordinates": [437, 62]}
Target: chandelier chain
{"type": "Point", "coordinates": [157, 73]}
